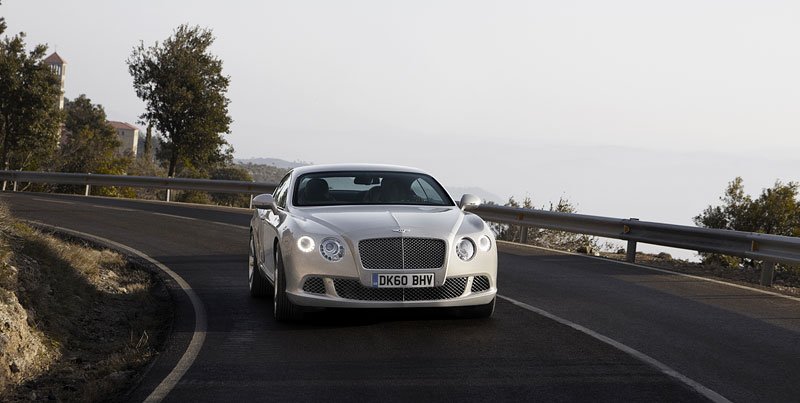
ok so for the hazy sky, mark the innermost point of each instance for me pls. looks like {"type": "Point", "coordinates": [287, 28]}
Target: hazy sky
{"type": "Point", "coordinates": [629, 108]}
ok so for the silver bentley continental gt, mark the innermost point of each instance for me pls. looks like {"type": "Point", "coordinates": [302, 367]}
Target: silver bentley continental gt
{"type": "Point", "coordinates": [369, 236]}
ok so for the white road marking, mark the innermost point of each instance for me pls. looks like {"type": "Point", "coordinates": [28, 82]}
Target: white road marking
{"type": "Point", "coordinates": [197, 219]}
{"type": "Point", "coordinates": [708, 393]}
{"type": "Point", "coordinates": [175, 216]}
{"type": "Point", "coordinates": [200, 319]}
{"type": "Point", "coordinates": [51, 200]}
{"type": "Point", "coordinates": [711, 280]}
{"type": "Point", "coordinates": [113, 208]}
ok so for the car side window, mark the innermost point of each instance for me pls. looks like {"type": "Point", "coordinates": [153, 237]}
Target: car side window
{"type": "Point", "coordinates": [281, 191]}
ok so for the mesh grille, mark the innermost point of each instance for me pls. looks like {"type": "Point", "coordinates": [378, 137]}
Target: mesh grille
{"type": "Point", "coordinates": [480, 283]}
{"type": "Point", "coordinates": [352, 289]}
{"type": "Point", "coordinates": [452, 288]}
{"type": "Point", "coordinates": [314, 285]}
{"type": "Point", "coordinates": [402, 253]}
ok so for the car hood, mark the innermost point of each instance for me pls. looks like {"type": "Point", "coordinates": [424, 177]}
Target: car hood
{"type": "Point", "coordinates": [361, 222]}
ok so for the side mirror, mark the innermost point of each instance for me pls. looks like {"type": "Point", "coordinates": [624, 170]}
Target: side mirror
{"type": "Point", "coordinates": [264, 201]}
{"type": "Point", "coordinates": [469, 202]}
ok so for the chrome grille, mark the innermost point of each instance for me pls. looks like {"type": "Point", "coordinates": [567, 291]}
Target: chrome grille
{"type": "Point", "coordinates": [402, 253]}
{"type": "Point", "coordinates": [314, 285]}
{"type": "Point", "coordinates": [352, 289]}
{"type": "Point", "coordinates": [480, 283]}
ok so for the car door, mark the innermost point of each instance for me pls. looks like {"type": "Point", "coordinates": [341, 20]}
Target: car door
{"type": "Point", "coordinates": [269, 222]}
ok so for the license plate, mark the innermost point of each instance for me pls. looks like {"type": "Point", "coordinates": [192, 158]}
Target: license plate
{"type": "Point", "coordinates": [412, 280]}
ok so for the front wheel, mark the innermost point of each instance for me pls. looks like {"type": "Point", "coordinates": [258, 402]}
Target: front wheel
{"type": "Point", "coordinates": [285, 310]}
{"type": "Point", "coordinates": [259, 286]}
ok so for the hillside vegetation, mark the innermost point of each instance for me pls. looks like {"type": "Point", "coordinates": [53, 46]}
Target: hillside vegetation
{"type": "Point", "coordinates": [76, 323]}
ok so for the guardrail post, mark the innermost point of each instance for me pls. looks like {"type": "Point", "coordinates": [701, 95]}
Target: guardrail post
{"type": "Point", "coordinates": [15, 186]}
{"type": "Point", "coordinates": [86, 192]}
{"type": "Point", "coordinates": [523, 234]}
{"type": "Point", "coordinates": [251, 201]}
{"type": "Point", "coordinates": [4, 186]}
{"type": "Point", "coordinates": [167, 195]}
{"type": "Point", "coordinates": [767, 272]}
{"type": "Point", "coordinates": [630, 251]}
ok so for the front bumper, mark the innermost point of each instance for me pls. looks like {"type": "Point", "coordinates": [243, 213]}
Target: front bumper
{"type": "Point", "coordinates": [349, 293]}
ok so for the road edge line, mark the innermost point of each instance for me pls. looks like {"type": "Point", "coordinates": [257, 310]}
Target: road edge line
{"type": "Point", "coordinates": [200, 319]}
{"type": "Point", "coordinates": [706, 392]}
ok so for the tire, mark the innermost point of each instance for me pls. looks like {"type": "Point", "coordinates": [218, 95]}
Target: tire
{"type": "Point", "coordinates": [285, 310]}
{"type": "Point", "coordinates": [477, 311]}
{"type": "Point", "coordinates": [259, 285]}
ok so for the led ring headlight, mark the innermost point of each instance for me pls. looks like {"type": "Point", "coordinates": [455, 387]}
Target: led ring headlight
{"type": "Point", "coordinates": [305, 244]}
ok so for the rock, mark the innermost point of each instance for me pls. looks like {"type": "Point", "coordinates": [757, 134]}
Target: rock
{"type": "Point", "coordinates": [14, 367]}
{"type": "Point", "coordinates": [664, 256]}
{"type": "Point", "coordinates": [621, 251]}
{"type": "Point", "coordinates": [588, 250]}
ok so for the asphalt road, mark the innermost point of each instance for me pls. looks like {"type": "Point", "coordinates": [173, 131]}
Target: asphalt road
{"type": "Point", "coordinates": [739, 343]}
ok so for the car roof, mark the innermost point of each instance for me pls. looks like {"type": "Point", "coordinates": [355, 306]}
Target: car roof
{"type": "Point", "coordinates": [355, 167]}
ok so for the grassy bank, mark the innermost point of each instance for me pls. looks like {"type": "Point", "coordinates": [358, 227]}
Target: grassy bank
{"type": "Point", "coordinates": [76, 323]}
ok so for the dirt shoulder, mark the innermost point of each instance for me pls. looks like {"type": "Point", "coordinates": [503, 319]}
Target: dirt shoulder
{"type": "Point", "coordinates": [76, 323]}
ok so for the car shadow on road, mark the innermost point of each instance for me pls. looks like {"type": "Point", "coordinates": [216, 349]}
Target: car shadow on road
{"type": "Point", "coordinates": [341, 317]}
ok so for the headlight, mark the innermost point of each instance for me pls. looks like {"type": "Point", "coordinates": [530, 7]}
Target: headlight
{"type": "Point", "coordinates": [331, 249]}
{"type": "Point", "coordinates": [484, 243]}
{"type": "Point", "coordinates": [465, 249]}
{"type": "Point", "coordinates": [305, 244]}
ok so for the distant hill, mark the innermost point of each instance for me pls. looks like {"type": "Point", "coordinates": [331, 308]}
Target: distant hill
{"type": "Point", "coordinates": [262, 172]}
{"type": "Point", "coordinates": [276, 162]}
{"type": "Point", "coordinates": [485, 195]}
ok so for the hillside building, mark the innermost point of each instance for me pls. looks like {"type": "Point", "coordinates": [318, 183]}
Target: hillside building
{"type": "Point", "coordinates": [59, 67]}
{"type": "Point", "coordinates": [128, 136]}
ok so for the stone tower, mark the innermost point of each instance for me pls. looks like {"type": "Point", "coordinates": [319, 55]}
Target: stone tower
{"type": "Point", "coordinates": [59, 66]}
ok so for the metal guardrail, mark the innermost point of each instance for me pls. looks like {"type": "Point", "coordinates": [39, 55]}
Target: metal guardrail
{"type": "Point", "coordinates": [769, 248]}
{"type": "Point", "coordinates": [88, 180]}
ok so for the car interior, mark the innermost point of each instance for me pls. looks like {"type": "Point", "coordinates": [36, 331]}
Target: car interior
{"type": "Point", "coordinates": [366, 189]}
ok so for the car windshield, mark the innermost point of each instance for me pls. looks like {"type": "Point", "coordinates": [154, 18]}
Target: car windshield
{"type": "Point", "coordinates": [365, 187]}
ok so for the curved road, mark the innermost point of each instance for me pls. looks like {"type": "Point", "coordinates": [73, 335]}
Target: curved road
{"type": "Point", "coordinates": [739, 343]}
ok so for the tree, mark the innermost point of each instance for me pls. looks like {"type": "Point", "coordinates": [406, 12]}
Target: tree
{"type": "Point", "coordinates": [148, 143]}
{"type": "Point", "coordinates": [231, 173]}
{"type": "Point", "coordinates": [29, 117]}
{"type": "Point", "coordinates": [544, 237]}
{"type": "Point", "coordinates": [91, 144]}
{"type": "Point", "coordinates": [2, 23]}
{"type": "Point", "coordinates": [775, 211]}
{"type": "Point", "coordinates": [185, 95]}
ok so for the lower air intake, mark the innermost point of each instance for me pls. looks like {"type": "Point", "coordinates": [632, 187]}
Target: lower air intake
{"type": "Point", "coordinates": [314, 285]}
{"type": "Point", "coordinates": [480, 283]}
